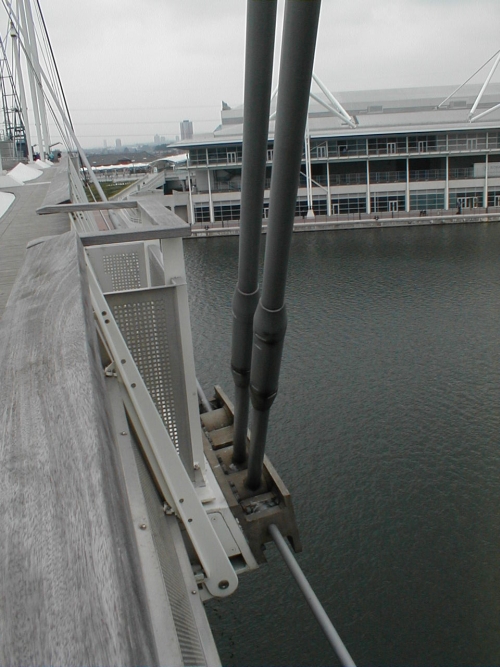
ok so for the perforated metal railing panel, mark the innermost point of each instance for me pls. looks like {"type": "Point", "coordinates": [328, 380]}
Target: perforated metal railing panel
{"type": "Point", "coordinates": [148, 321]}
{"type": "Point", "coordinates": [123, 269]}
{"type": "Point", "coordinates": [185, 622]}
{"type": "Point", "coordinates": [119, 267]}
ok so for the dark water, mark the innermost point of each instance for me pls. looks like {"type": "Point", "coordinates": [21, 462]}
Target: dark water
{"type": "Point", "coordinates": [386, 430]}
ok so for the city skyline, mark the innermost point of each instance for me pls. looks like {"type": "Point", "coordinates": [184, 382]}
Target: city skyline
{"type": "Point", "coordinates": [119, 82]}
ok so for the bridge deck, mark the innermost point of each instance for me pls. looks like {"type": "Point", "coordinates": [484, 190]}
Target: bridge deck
{"type": "Point", "coordinates": [21, 224]}
{"type": "Point", "coordinates": [92, 570]}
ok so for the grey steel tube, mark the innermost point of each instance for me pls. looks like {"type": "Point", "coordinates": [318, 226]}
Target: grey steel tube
{"type": "Point", "coordinates": [310, 596]}
{"type": "Point", "coordinates": [297, 56]}
{"type": "Point", "coordinates": [260, 32]}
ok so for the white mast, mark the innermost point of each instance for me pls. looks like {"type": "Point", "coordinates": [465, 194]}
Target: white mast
{"type": "Point", "coordinates": [22, 93]}
{"type": "Point", "coordinates": [31, 77]}
{"type": "Point", "coordinates": [33, 50]}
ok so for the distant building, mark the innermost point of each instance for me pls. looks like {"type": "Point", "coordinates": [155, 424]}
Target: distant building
{"type": "Point", "coordinates": [186, 130]}
{"type": "Point", "coordinates": [157, 139]}
{"type": "Point", "coordinates": [408, 152]}
{"type": "Point", "coordinates": [162, 140]}
{"type": "Point", "coordinates": [118, 144]}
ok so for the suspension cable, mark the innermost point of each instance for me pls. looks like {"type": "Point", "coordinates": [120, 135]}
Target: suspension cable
{"type": "Point", "coordinates": [316, 607]}
{"type": "Point", "coordinates": [55, 65]}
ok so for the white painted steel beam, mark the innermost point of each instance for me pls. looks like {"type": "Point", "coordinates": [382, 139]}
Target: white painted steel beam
{"type": "Point", "coordinates": [330, 108]}
{"type": "Point", "coordinates": [467, 81]}
{"type": "Point", "coordinates": [485, 84]}
{"type": "Point", "coordinates": [485, 113]}
{"type": "Point", "coordinates": [334, 101]}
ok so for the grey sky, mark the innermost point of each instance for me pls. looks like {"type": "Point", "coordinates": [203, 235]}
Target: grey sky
{"type": "Point", "coordinates": [133, 69]}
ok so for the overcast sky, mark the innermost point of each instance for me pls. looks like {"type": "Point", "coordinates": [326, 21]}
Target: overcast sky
{"type": "Point", "coordinates": [135, 68]}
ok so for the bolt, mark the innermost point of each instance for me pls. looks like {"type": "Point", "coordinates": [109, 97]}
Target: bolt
{"type": "Point", "coordinates": [223, 584]}
{"type": "Point", "coordinates": [143, 526]}
{"type": "Point", "coordinates": [193, 592]}
{"type": "Point", "coordinates": [124, 433]}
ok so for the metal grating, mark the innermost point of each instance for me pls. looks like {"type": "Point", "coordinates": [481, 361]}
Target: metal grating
{"type": "Point", "coordinates": [124, 270]}
{"type": "Point", "coordinates": [148, 322]}
{"type": "Point", "coordinates": [175, 583]}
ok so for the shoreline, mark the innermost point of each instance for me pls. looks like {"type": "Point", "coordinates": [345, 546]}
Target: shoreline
{"type": "Point", "coordinates": [330, 225]}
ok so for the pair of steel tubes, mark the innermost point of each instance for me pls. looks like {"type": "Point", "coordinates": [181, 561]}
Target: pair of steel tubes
{"type": "Point", "coordinates": [259, 325]}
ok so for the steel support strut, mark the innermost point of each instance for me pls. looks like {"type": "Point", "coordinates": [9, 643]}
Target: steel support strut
{"type": "Point", "coordinates": [297, 57]}
{"type": "Point", "coordinates": [260, 32]}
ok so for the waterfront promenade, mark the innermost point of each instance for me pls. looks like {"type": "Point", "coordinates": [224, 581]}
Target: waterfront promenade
{"type": "Point", "coordinates": [324, 223]}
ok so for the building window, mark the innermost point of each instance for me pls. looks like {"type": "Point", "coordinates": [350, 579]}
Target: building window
{"type": "Point", "coordinates": [471, 198]}
{"type": "Point", "coordinates": [391, 147]}
{"type": "Point", "coordinates": [319, 206]}
{"type": "Point", "coordinates": [270, 154]}
{"type": "Point", "coordinates": [425, 200]}
{"type": "Point", "coordinates": [322, 151]}
{"type": "Point", "coordinates": [385, 201]}
{"type": "Point", "coordinates": [468, 202]}
{"type": "Point", "coordinates": [493, 141]}
{"type": "Point", "coordinates": [231, 156]}
{"type": "Point", "coordinates": [494, 198]}
{"type": "Point", "coordinates": [202, 214]}
{"type": "Point", "coordinates": [470, 142]}
{"type": "Point", "coordinates": [226, 211]}
{"type": "Point", "coordinates": [349, 204]}
{"type": "Point", "coordinates": [301, 208]}
{"type": "Point", "coordinates": [422, 146]}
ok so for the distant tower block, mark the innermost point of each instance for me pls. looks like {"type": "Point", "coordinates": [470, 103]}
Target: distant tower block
{"type": "Point", "coordinates": [156, 139]}
{"type": "Point", "coordinates": [118, 143]}
{"type": "Point", "coordinates": [186, 129]}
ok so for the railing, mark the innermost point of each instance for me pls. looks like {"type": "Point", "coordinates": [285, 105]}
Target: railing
{"type": "Point", "coordinates": [427, 175]}
{"type": "Point", "coordinates": [348, 179]}
{"type": "Point", "coordinates": [384, 151]}
{"type": "Point", "coordinates": [224, 186]}
{"type": "Point", "coordinates": [82, 220]}
{"type": "Point", "coordinates": [388, 177]}
{"type": "Point", "coordinates": [352, 151]}
{"type": "Point", "coordinates": [466, 172]}
{"type": "Point", "coordinates": [321, 180]}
